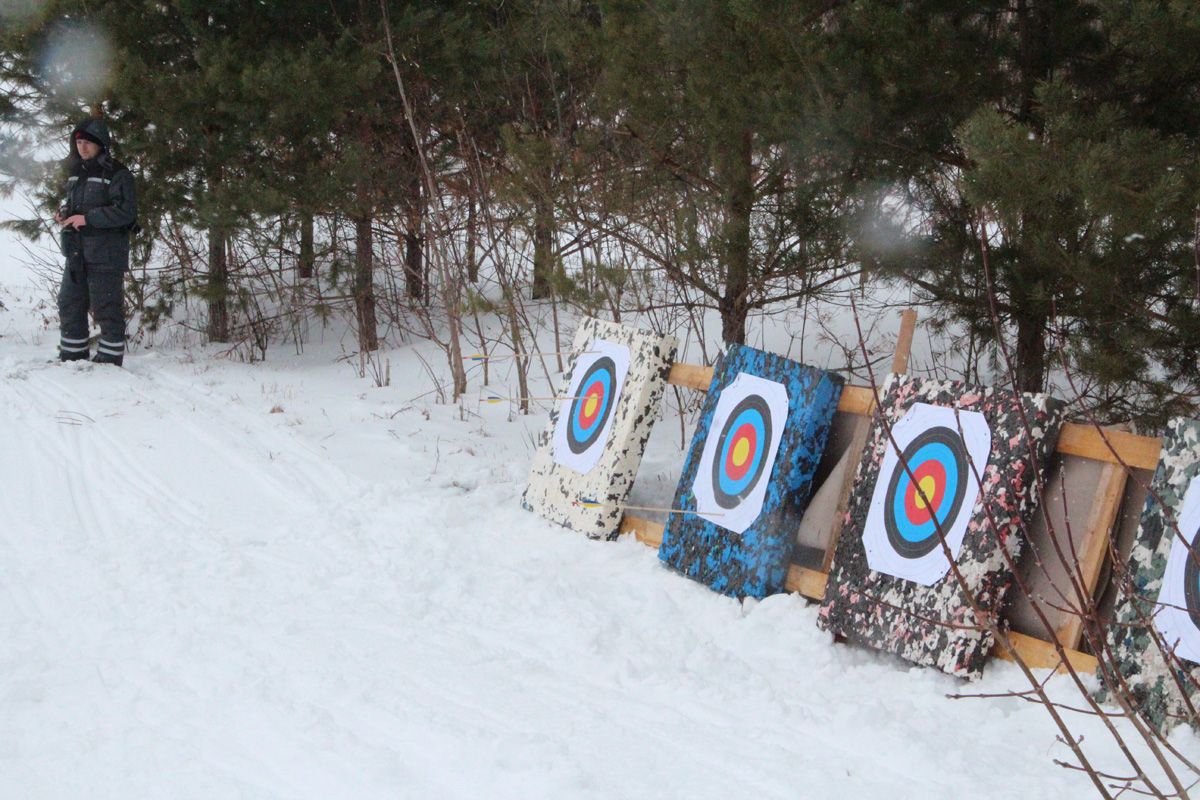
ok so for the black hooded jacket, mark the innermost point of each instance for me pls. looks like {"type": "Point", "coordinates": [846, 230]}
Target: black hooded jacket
{"type": "Point", "coordinates": [102, 190]}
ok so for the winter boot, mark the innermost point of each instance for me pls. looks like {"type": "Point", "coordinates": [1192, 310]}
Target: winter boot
{"type": "Point", "coordinates": [110, 351]}
{"type": "Point", "coordinates": [73, 349]}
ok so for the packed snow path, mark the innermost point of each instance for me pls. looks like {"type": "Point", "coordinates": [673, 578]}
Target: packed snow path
{"type": "Point", "coordinates": [278, 581]}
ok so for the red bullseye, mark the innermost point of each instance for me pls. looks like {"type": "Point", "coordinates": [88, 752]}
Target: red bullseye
{"type": "Point", "coordinates": [931, 477]}
{"type": "Point", "coordinates": [739, 454]}
{"type": "Point", "coordinates": [593, 401]}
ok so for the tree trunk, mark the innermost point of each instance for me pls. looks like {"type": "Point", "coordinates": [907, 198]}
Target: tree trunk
{"type": "Point", "coordinates": [1027, 68]}
{"type": "Point", "coordinates": [1031, 353]}
{"type": "Point", "coordinates": [217, 289]}
{"type": "Point", "coordinates": [514, 330]}
{"type": "Point", "coordinates": [472, 239]}
{"type": "Point", "coordinates": [364, 250]}
{"type": "Point", "coordinates": [364, 284]}
{"type": "Point", "coordinates": [414, 256]}
{"type": "Point", "coordinates": [543, 247]}
{"type": "Point", "coordinates": [307, 256]}
{"type": "Point", "coordinates": [414, 265]}
{"type": "Point", "coordinates": [739, 182]}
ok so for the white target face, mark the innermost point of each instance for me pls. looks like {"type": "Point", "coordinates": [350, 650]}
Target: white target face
{"type": "Point", "coordinates": [586, 415]}
{"type": "Point", "coordinates": [944, 450]}
{"type": "Point", "coordinates": [739, 452]}
{"type": "Point", "coordinates": [1177, 617]}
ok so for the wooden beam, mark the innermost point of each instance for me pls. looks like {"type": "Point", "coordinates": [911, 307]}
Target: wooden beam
{"type": "Point", "coordinates": [1043, 655]}
{"type": "Point", "coordinates": [855, 399]}
{"type": "Point", "coordinates": [1101, 518]}
{"type": "Point", "coordinates": [691, 376]}
{"type": "Point", "coordinates": [807, 582]}
{"type": "Point", "coordinates": [811, 584]}
{"type": "Point", "coordinates": [908, 325]}
{"type": "Point", "coordinates": [1075, 439]}
{"type": "Point", "coordinates": [1139, 452]}
{"type": "Point", "coordinates": [1085, 441]}
{"type": "Point", "coordinates": [647, 531]}
{"type": "Point", "coordinates": [857, 445]}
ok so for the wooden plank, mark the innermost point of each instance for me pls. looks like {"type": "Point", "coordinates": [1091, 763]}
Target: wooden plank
{"type": "Point", "coordinates": [805, 581]}
{"type": "Point", "coordinates": [1075, 439]}
{"type": "Point", "coordinates": [1125, 534]}
{"type": "Point", "coordinates": [647, 531]}
{"type": "Point", "coordinates": [855, 399]}
{"type": "Point", "coordinates": [1095, 547]}
{"type": "Point", "coordinates": [857, 446]}
{"type": "Point", "coordinates": [1139, 452]}
{"type": "Point", "coordinates": [691, 376]}
{"type": "Point", "coordinates": [1042, 655]}
{"type": "Point", "coordinates": [908, 325]}
{"type": "Point", "coordinates": [811, 584]}
{"type": "Point", "coordinates": [823, 518]}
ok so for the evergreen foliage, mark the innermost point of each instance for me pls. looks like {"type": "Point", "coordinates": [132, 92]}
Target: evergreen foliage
{"type": "Point", "coordinates": [1028, 166]}
{"type": "Point", "coordinates": [1068, 208]}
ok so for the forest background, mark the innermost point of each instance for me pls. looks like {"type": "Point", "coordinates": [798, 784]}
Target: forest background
{"type": "Point", "coordinates": [1025, 171]}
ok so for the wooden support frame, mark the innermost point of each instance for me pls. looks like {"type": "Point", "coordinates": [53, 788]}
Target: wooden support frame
{"type": "Point", "coordinates": [1101, 520]}
{"type": "Point", "coordinates": [1117, 449]}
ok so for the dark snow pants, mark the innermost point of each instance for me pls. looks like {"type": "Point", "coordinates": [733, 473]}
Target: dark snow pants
{"type": "Point", "coordinates": [102, 291]}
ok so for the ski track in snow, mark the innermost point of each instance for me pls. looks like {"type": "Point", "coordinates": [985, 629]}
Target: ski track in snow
{"type": "Point", "coordinates": [203, 599]}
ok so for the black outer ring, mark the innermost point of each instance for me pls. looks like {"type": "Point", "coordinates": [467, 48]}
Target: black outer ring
{"type": "Point", "coordinates": [604, 362]}
{"type": "Point", "coordinates": [1191, 577]}
{"type": "Point", "coordinates": [723, 498]}
{"type": "Point", "coordinates": [954, 442]}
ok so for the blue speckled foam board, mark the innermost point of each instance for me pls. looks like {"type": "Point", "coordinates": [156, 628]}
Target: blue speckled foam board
{"type": "Point", "coordinates": [755, 562]}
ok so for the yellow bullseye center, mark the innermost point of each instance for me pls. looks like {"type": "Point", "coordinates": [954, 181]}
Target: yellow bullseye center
{"type": "Point", "coordinates": [741, 451]}
{"type": "Point", "coordinates": [928, 486]}
{"type": "Point", "coordinates": [589, 405]}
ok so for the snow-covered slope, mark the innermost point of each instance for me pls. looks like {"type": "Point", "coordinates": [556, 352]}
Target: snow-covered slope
{"type": "Point", "coordinates": [277, 580]}
{"type": "Point", "coordinates": [226, 580]}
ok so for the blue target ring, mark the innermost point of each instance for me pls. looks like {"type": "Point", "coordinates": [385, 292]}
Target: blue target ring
{"type": "Point", "coordinates": [937, 459]}
{"type": "Point", "coordinates": [916, 533]}
{"type": "Point", "coordinates": [592, 405]}
{"type": "Point", "coordinates": [741, 453]}
{"type": "Point", "coordinates": [1191, 581]}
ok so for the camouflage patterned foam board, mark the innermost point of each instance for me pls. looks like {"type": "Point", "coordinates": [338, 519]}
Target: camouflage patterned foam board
{"type": "Point", "coordinates": [891, 586]}
{"type": "Point", "coordinates": [593, 445]}
{"type": "Point", "coordinates": [1144, 620]}
{"type": "Point", "coordinates": [749, 472]}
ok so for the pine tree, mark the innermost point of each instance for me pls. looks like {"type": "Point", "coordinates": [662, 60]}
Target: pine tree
{"type": "Point", "coordinates": [526, 102]}
{"type": "Point", "coordinates": [1071, 210]}
{"type": "Point", "coordinates": [752, 145]}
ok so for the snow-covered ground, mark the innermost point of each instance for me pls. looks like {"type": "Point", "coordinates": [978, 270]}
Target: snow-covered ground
{"type": "Point", "coordinates": [278, 580]}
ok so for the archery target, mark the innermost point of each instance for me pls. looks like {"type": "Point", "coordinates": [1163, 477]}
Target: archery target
{"type": "Point", "coordinates": [1178, 616]}
{"type": "Point", "coordinates": [586, 415]}
{"type": "Point", "coordinates": [937, 490]}
{"type": "Point", "coordinates": [739, 452]}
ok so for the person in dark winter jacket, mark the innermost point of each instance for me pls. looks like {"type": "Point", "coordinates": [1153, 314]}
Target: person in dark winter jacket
{"type": "Point", "coordinates": [97, 215]}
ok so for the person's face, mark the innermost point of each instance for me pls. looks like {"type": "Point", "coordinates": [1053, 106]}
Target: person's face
{"type": "Point", "coordinates": [86, 149]}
